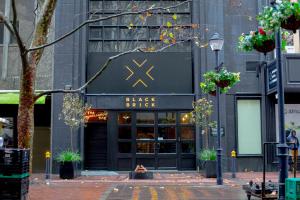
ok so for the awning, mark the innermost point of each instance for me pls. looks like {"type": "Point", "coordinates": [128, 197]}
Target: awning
{"type": "Point", "coordinates": [13, 98]}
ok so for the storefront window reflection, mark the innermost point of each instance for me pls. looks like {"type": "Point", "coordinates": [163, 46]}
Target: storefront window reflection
{"type": "Point", "coordinates": [185, 118]}
{"type": "Point", "coordinates": [187, 133]}
{"type": "Point", "coordinates": [167, 147]}
{"type": "Point", "coordinates": [167, 118]}
{"type": "Point", "coordinates": [124, 118]}
{"type": "Point", "coordinates": [125, 132]}
{"type": "Point", "coordinates": [145, 147]}
{"type": "Point", "coordinates": [145, 133]}
{"type": "Point", "coordinates": [188, 147]}
{"type": "Point", "coordinates": [124, 147]}
{"type": "Point", "coordinates": [145, 118]}
{"type": "Point", "coordinates": [166, 133]}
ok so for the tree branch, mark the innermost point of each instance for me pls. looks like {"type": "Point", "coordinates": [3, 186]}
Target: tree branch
{"type": "Point", "coordinates": [15, 15]}
{"type": "Point", "coordinates": [7, 23]}
{"type": "Point", "coordinates": [104, 66]}
{"type": "Point", "coordinates": [16, 32]}
{"type": "Point", "coordinates": [41, 29]}
{"type": "Point", "coordinates": [106, 18]}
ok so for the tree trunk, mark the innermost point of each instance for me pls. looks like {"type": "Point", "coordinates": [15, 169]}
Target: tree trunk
{"type": "Point", "coordinates": [26, 107]}
{"type": "Point", "coordinates": [71, 128]}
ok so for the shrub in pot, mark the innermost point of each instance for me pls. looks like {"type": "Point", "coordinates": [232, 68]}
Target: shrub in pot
{"type": "Point", "coordinates": [261, 40]}
{"type": "Point", "coordinates": [209, 157]}
{"type": "Point", "coordinates": [221, 78]}
{"type": "Point", "coordinates": [68, 161]}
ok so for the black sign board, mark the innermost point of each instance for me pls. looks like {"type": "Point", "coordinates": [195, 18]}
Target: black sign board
{"type": "Point", "coordinates": [142, 73]}
{"type": "Point", "coordinates": [271, 76]}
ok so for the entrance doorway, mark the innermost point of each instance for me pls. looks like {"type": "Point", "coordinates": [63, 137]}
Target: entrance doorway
{"type": "Point", "coordinates": [157, 140]}
{"type": "Point", "coordinates": [95, 148]}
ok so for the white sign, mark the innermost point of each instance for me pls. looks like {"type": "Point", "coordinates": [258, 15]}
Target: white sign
{"type": "Point", "coordinates": [292, 118]}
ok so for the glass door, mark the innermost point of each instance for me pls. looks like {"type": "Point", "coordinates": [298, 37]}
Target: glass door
{"type": "Point", "coordinates": [145, 139]}
{"type": "Point", "coordinates": [166, 140]}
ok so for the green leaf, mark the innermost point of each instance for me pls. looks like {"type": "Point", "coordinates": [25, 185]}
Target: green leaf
{"type": "Point", "coordinates": [169, 24]}
{"type": "Point", "coordinates": [174, 17]}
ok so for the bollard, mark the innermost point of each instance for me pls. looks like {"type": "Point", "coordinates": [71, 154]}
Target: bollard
{"type": "Point", "coordinates": [233, 163]}
{"type": "Point", "coordinates": [47, 172]}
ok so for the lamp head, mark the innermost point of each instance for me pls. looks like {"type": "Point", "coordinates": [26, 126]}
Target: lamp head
{"type": "Point", "coordinates": [216, 42]}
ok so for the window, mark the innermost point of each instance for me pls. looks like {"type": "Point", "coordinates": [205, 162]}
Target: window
{"type": "Point", "coordinates": [113, 35]}
{"type": "Point", "coordinates": [124, 132]}
{"type": "Point", "coordinates": [1, 32]}
{"type": "Point", "coordinates": [249, 131]}
{"type": "Point", "coordinates": [3, 5]}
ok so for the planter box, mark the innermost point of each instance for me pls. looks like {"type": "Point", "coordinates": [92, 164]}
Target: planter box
{"type": "Point", "coordinates": [210, 169]}
{"type": "Point", "coordinates": [145, 175]}
{"type": "Point", "coordinates": [14, 161]}
{"type": "Point", "coordinates": [68, 170]}
{"type": "Point", "coordinates": [14, 188]}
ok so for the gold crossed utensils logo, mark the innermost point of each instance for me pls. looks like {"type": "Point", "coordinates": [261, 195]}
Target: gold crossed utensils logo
{"type": "Point", "coordinates": [142, 71]}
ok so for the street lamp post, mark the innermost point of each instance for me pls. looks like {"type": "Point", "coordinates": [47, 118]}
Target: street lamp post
{"type": "Point", "coordinates": [216, 44]}
{"type": "Point", "coordinates": [282, 146]}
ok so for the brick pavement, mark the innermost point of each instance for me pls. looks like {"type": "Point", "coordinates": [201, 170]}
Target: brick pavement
{"type": "Point", "coordinates": [165, 186]}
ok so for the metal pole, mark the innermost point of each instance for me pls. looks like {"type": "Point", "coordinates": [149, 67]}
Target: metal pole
{"type": "Point", "coordinates": [282, 146]}
{"type": "Point", "coordinates": [219, 150]}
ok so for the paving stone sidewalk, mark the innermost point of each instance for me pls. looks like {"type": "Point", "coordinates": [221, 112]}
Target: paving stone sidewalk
{"type": "Point", "coordinates": [164, 186]}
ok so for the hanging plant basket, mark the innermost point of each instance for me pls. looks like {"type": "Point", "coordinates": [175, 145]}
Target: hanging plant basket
{"type": "Point", "coordinates": [267, 46]}
{"type": "Point", "coordinates": [223, 83]}
{"type": "Point", "coordinates": [291, 23]}
{"type": "Point", "coordinates": [213, 93]}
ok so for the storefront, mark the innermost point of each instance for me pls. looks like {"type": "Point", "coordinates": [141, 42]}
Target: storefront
{"type": "Point", "coordinates": [155, 139]}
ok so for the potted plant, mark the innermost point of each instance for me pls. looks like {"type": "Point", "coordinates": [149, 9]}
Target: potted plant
{"type": "Point", "coordinates": [202, 111]}
{"type": "Point", "coordinates": [223, 79]}
{"type": "Point", "coordinates": [68, 164]}
{"type": "Point", "coordinates": [285, 14]}
{"type": "Point", "coordinates": [209, 157]}
{"type": "Point", "coordinates": [260, 40]}
{"type": "Point", "coordinates": [73, 114]}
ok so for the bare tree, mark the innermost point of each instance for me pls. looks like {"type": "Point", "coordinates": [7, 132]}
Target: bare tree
{"type": "Point", "coordinates": [31, 56]}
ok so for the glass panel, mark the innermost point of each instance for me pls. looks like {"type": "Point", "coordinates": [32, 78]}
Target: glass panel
{"type": "Point", "coordinates": [95, 33]}
{"type": "Point", "coordinates": [125, 132]}
{"type": "Point", "coordinates": [110, 33]}
{"type": "Point", "coordinates": [124, 147]}
{"type": "Point", "coordinates": [188, 147]}
{"type": "Point", "coordinates": [95, 6]}
{"type": "Point", "coordinates": [187, 133]}
{"type": "Point", "coordinates": [167, 118]}
{"type": "Point", "coordinates": [167, 147]}
{"type": "Point", "coordinates": [145, 133]}
{"type": "Point", "coordinates": [145, 118]}
{"type": "Point", "coordinates": [249, 131]}
{"type": "Point", "coordinates": [110, 5]}
{"type": "Point", "coordinates": [185, 118]}
{"type": "Point", "coordinates": [95, 46]}
{"type": "Point", "coordinates": [166, 133]}
{"type": "Point", "coordinates": [145, 147]}
{"type": "Point", "coordinates": [125, 46]}
{"type": "Point", "coordinates": [133, 34]}
{"type": "Point", "coordinates": [124, 118]}
{"type": "Point", "coordinates": [110, 47]}
{"type": "Point", "coordinates": [2, 5]}
{"type": "Point", "coordinates": [1, 32]}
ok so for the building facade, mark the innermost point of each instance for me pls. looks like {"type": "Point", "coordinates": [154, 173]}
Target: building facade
{"type": "Point", "coordinates": [141, 101]}
{"type": "Point", "coordinates": [10, 64]}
